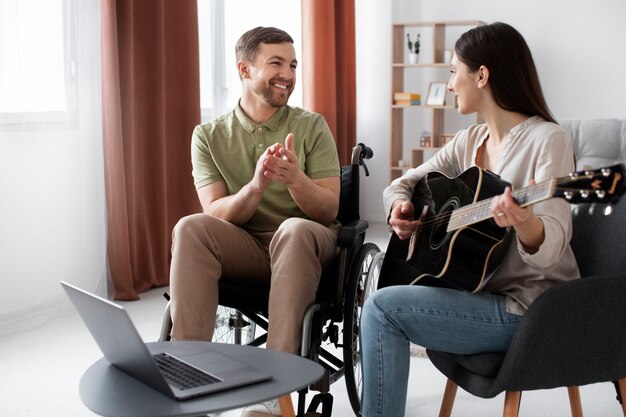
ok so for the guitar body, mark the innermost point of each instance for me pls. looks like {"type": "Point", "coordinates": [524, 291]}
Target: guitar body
{"type": "Point", "coordinates": [461, 259]}
{"type": "Point", "coordinates": [458, 245]}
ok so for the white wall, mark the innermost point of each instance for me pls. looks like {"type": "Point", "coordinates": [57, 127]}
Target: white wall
{"type": "Point", "coordinates": [51, 185]}
{"type": "Point", "coordinates": [52, 213]}
{"type": "Point", "coordinates": [577, 46]}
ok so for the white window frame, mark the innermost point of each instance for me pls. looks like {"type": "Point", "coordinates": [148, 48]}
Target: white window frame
{"type": "Point", "coordinates": [35, 120]}
{"type": "Point", "coordinates": [222, 75]}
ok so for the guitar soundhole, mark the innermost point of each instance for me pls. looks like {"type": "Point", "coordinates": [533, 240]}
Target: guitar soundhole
{"type": "Point", "coordinates": [438, 234]}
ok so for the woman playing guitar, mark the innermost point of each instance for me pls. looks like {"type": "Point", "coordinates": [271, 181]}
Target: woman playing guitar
{"type": "Point", "coordinates": [493, 74]}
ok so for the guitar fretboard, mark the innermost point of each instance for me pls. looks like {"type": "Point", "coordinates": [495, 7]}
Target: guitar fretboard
{"type": "Point", "coordinates": [481, 210]}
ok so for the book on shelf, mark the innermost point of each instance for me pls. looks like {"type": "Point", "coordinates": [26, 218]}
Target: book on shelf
{"type": "Point", "coordinates": [406, 96]}
{"type": "Point", "coordinates": [407, 102]}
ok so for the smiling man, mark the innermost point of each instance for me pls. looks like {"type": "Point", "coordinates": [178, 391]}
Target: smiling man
{"type": "Point", "coordinates": [267, 176]}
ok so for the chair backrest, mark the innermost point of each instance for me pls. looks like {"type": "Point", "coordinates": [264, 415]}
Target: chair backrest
{"type": "Point", "coordinates": [597, 142]}
{"type": "Point", "coordinates": [350, 184]}
{"type": "Point", "coordinates": [597, 240]}
{"type": "Point", "coordinates": [349, 196]}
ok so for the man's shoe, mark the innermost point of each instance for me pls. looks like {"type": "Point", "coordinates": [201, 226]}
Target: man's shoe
{"type": "Point", "coordinates": [266, 409]}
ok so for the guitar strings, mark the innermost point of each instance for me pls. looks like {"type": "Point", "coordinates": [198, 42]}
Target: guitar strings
{"type": "Point", "coordinates": [481, 210]}
{"type": "Point", "coordinates": [466, 211]}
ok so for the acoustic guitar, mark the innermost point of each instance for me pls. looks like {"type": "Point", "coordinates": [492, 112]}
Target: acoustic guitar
{"type": "Point", "coordinates": [458, 244]}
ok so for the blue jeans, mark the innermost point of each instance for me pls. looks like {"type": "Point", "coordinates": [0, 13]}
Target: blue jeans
{"type": "Point", "coordinates": [435, 318]}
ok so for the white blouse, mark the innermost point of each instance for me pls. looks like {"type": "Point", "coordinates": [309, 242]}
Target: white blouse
{"type": "Point", "coordinates": [534, 149]}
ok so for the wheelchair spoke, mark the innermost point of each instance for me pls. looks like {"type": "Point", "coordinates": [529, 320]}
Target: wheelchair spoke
{"type": "Point", "coordinates": [232, 327]}
{"type": "Point", "coordinates": [363, 281]}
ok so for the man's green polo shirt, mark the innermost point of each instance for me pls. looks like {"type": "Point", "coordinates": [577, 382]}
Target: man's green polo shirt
{"type": "Point", "coordinates": [227, 149]}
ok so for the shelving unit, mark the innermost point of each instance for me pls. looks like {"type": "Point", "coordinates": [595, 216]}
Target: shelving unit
{"type": "Point", "coordinates": [399, 65]}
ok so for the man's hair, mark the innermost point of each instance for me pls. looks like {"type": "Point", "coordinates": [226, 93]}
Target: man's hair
{"type": "Point", "coordinates": [247, 46]}
{"type": "Point", "coordinates": [513, 76]}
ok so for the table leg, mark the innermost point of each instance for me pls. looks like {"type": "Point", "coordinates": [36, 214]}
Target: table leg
{"type": "Point", "coordinates": [286, 406]}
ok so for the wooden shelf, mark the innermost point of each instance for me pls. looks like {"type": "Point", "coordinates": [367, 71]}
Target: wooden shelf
{"type": "Point", "coordinates": [436, 62]}
{"type": "Point", "coordinates": [424, 23]}
{"type": "Point", "coordinates": [426, 148]}
{"type": "Point", "coordinates": [420, 106]}
{"type": "Point", "coordinates": [405, 65]}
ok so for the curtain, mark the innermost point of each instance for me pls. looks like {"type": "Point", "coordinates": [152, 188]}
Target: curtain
{"type": "Point", "coordinates": [151, 103]}
{"type": "Point", "coordinates": [329, 67]}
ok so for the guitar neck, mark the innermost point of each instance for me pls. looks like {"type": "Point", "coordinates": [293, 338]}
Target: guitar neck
{"type": "Point", "coordinates": [481, 210]}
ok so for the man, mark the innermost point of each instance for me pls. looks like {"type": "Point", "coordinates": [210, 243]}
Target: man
{"type": "Point", "coordinates": [267, 176]}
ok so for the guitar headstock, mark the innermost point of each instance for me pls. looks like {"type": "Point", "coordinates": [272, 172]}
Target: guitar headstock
{"type": "Point", "coordinates": [604, 185]}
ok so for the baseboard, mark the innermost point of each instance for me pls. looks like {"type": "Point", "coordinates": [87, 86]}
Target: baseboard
{"type": "Point", "coordinates": [33, 317]}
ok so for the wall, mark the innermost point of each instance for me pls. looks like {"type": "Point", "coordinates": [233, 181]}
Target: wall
{"type": "Point", "coordinates": [52, 202]}
{"type": "Point", "coordinates": [51, 185]}
{"type": "Point", "coordinates": [577, 46]}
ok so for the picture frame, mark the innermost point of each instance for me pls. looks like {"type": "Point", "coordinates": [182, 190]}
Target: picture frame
{"type": "Point", "coordinates": [437, 94]}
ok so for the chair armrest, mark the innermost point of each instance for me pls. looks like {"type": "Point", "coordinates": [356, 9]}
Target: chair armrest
{"type": "Point", "coordinates": [349, 233]}
{"type": "Point", "coordinates": [573, 334]}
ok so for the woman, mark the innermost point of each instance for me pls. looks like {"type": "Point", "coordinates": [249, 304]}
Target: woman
{"type": "Point", "coordinates": [493, 74]}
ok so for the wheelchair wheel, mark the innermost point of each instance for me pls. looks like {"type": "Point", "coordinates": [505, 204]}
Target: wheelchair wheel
{"type": "Point", "coordinates": [363, 281]}
{"type": "Point", "coordinates": [232, 327]}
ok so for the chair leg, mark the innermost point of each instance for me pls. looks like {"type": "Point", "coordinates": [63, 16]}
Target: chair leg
{"type": "Point", "coordinates": [448, 399]}
{"type": "Point", "coordinates": [511, 403]}
{"type": "Point", "coordinates": [621, 386]}
{"type": "Point", "coordinates": [574, 401]}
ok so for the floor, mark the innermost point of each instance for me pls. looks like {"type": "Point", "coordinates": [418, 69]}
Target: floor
{"type": "Point", "coordinates": [57, 353]}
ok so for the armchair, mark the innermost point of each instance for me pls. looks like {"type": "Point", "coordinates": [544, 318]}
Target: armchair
{"type": "Point", "coordinates": [575, 333]}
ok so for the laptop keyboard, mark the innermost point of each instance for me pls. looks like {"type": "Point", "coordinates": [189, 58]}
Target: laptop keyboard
{"type": "Point", "coordinates": [180, 374]}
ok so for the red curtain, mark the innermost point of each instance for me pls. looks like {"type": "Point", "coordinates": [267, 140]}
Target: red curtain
{"type": "Point", "coordinates": [151, 103]}
{"type": "Point", "coordinates": [329, 67]}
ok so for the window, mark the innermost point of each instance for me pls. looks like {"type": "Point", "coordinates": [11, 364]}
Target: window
{"type": "Point", "coordinates": [220, 24]}
{"type": "Point", "coordinates": [37, 61]}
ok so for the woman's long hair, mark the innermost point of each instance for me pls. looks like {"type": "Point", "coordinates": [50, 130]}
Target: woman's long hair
{"type": "Point", "coordinates": [512, 74]}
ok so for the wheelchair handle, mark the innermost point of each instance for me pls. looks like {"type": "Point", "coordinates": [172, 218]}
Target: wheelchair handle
{"type": "Point", "coordinates": [359, 153]}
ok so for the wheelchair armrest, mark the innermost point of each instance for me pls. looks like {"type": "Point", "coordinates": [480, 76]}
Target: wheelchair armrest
{"type": "Point", "coordinates": [349, 233]}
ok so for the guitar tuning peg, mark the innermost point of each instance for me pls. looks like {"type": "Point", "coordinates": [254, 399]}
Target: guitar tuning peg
{"type": "Point", "coordinates": [608, 210]}
{"type": "Point", "coordinates": [592, 208]}
{"type": "Point", "coordinates": [575, 210]}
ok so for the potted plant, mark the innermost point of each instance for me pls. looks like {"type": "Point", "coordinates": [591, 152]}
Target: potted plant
{"type": "Point", "coordinates": [414, 48]}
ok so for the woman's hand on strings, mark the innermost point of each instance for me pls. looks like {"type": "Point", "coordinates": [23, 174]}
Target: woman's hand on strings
{"type": "Point", "coordinates": [402, 219]}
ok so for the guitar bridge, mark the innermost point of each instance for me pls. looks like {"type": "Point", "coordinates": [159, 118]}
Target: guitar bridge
{"type": "Point", "coordinates": [409, 254]}
{"type": "Point", "coordinates": [413, 239]}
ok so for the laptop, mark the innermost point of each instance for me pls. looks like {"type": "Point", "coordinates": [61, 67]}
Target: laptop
{"type": "Point", "coordinates": [181, 371]}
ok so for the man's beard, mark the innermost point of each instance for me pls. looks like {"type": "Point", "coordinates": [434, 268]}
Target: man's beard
{"type": "Point", "coordinates": [271, 96]}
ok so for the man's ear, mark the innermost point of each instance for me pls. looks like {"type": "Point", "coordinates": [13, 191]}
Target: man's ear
{"type": "Point", "coordinates": [483, 76]}
{"type": "Point", "coordinates": [244, 69]}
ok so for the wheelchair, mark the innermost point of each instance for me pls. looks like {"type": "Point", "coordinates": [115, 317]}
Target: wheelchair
{"type": "Point", "coordinates": [330, 327]}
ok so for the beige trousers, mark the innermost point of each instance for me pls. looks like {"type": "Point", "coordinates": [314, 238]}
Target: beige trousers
{"type": "Point", "coordinates": [206, 249]}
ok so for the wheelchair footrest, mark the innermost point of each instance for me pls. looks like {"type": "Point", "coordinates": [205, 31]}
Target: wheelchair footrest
{"type": "Point", "coordinates": [326, 401]}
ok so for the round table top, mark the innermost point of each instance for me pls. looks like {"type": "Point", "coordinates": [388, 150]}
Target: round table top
{"type": "Point", "coordinates": [108, 391]}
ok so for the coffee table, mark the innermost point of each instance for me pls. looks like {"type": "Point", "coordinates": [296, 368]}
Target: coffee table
{"type": "Point", "coordinates": [110, 392]}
